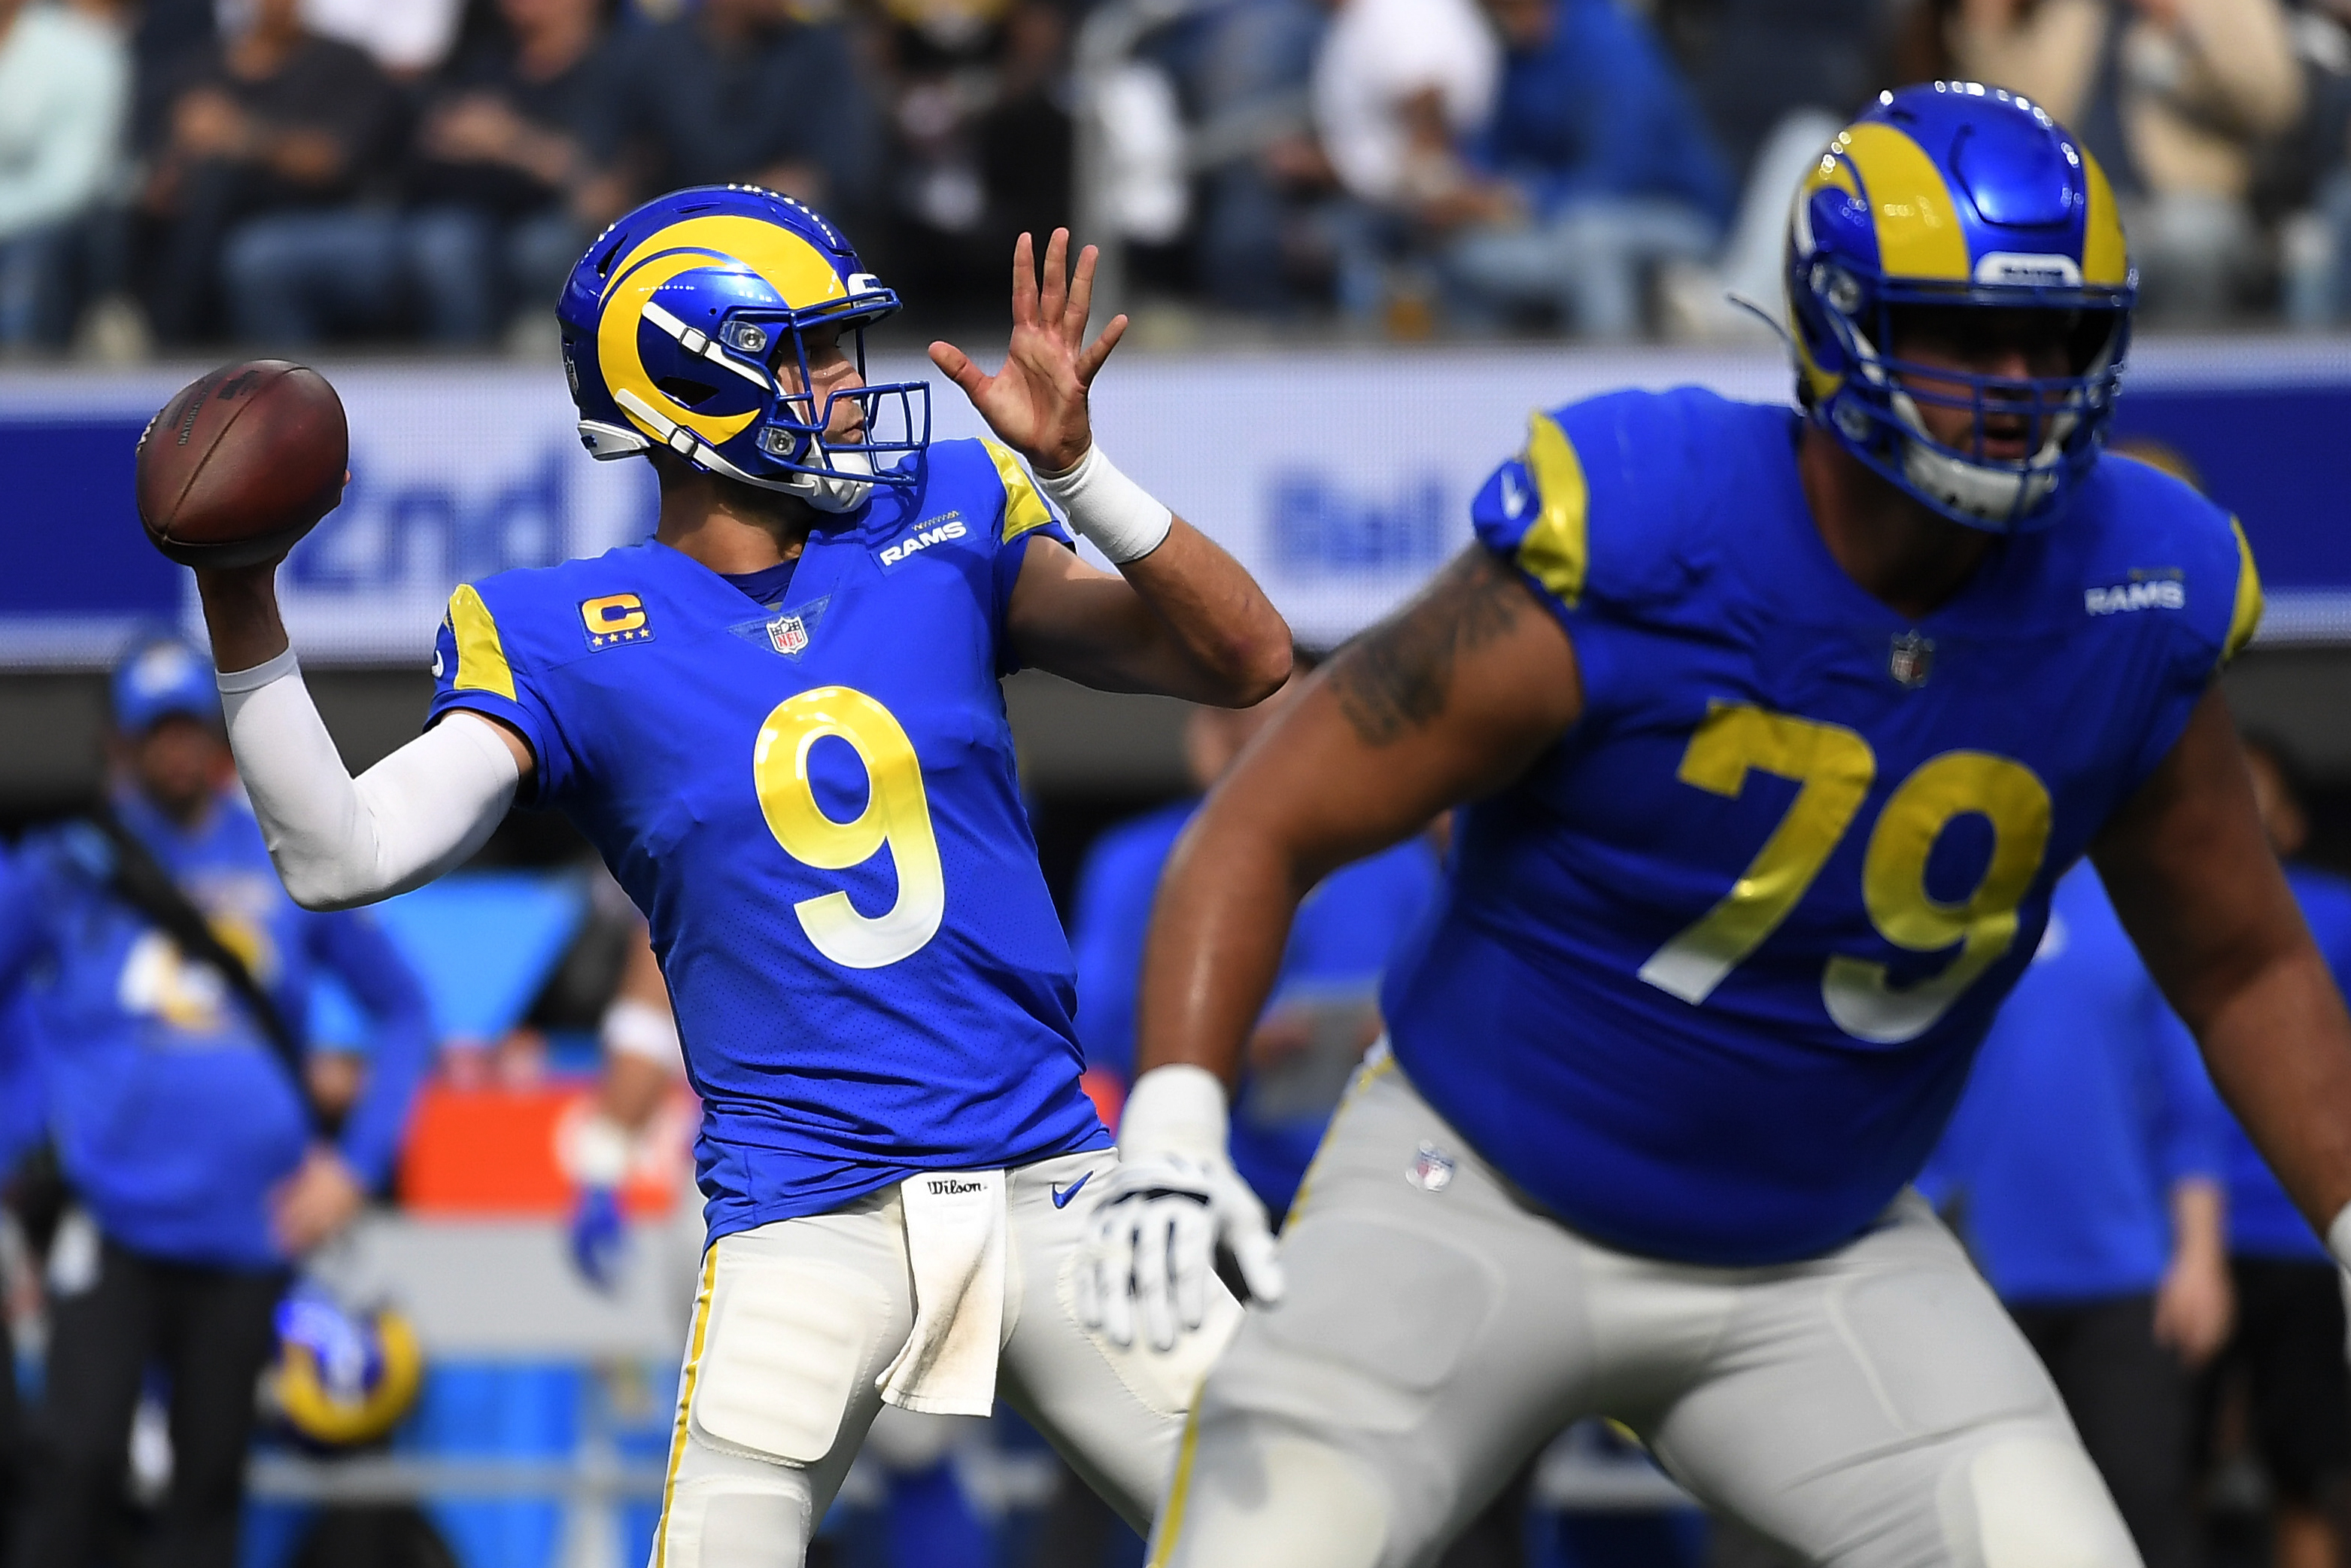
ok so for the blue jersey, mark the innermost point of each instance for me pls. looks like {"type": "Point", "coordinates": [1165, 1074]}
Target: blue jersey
{"type": "Point", "coordinates": [813, 800]}
{"type": "Point", "coordinates": [2263, 1221]}
{"type": "Point", "coordinates": [171, 1113]}
{"type": "Point", "coordinates": [1707, 979]}
{"type": "Point", "coordinates": [1345, 931]}
{"type": "Point", "coordinates": [2087, 1104]}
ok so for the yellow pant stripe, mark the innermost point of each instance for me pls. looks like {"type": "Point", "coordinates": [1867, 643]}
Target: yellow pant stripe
{"type": "Point", "coordinates": [685, 1399]}
{"type": "Point", "coordinates": [1171, 1518]}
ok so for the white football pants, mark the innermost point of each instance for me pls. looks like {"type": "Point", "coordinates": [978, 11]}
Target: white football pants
{"type": "Point", "coordinates": [810, 1312]}
{"type": "Point", "coordinates": [1874, 1406]}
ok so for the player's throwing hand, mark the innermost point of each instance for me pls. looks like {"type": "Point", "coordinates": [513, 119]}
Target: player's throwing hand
{"type": "Point", "coordinates": [1036, 403]}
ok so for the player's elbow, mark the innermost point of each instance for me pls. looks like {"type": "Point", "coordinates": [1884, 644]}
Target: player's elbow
{"type": "Point", "coordinates": [321, 888]}
{"type": "Point", "coordinates": [1254, 666]}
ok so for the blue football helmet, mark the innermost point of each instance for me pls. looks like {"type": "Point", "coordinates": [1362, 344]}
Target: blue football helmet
{"type": "Point", "coordinates": [1954, 195]}
{"type": "Point", "coordinates": [344, 1378]}
{"type": "Point", "coordinates": [685, 322]}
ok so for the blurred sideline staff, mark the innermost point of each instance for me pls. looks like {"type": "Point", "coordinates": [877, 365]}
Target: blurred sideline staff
{"type": "Point", "coordinates": [2084, 1163]}
{"type": "Point", "coordinates": [643, 1061]}
{"type": "Point", "coordinates": [2287, 1354]}
{"type": "Point", "coordinates": [1324, 1013]}
{"type": "Point", "coordinates": [168, 975]}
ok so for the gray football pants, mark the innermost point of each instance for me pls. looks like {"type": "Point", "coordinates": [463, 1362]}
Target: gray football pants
{"type": "Point", "coordinates": [797, 1320]}
{"type": "Point", "coordinates": [1870, 1407]}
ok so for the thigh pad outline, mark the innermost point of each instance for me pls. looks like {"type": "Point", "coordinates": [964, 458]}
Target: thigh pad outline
{"type": "Point", "coordinates": [1377, 1318]}
{"type": "Point", "coordinates": [788, 1339]}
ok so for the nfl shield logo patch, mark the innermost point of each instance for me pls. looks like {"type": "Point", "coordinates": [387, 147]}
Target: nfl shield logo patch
{"type": "Point", "coordinates": [1431, 1170]}
{"type": "Point", "coordinates": [788, 635]}
{"type": "Point", "coordinates": [1911, 660]}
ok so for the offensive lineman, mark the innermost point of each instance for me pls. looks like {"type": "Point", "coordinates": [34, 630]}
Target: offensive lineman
{"type": "Point", "coordinates": [779, 720]}
{"type": "Point", "coordinates": [1777, 729]}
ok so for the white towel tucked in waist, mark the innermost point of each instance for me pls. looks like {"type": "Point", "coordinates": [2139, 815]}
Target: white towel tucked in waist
{"type": "Point", "coordinates": [955, 1245]}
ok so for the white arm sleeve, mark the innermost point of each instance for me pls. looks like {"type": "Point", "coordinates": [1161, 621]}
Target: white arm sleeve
{"type": "Point", "coordinates": [339, 841]}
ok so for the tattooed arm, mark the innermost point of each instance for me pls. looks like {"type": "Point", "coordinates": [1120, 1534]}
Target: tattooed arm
{"type": "Point", "coordinates": [1451, 697]}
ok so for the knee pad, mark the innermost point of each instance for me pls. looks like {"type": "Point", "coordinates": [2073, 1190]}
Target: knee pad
{"type": "Point", "coordinates": [2036, 1501]}
{"type": "Point", "coordinates": [1249, 1493]}
{"type": "Point", "coordinates": [740, 1518]}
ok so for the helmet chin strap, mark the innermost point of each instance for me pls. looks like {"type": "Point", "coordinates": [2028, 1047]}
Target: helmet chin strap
{"type": "Point", "coordinates": [838, 491]}
{"type": "Point", "coordinates": [1995, 494]}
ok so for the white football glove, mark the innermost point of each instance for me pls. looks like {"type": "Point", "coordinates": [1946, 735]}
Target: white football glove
{"type": "Point", "coordinates": [1155, 1229]}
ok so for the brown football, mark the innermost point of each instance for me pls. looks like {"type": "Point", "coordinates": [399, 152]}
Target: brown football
{"type": "Point", "coordinates": [242, 462]}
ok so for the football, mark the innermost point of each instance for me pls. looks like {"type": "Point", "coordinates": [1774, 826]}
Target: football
{"type": "Point", "coordinates": [242, 462]}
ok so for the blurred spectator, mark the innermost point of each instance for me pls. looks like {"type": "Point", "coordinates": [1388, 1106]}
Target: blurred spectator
{"type": "Point", "coordinates": [407, 39]}
{"type": "Point", "coordinates": [2172, 96]}
{"type": "Point", "coordinates": [1750, 64]}
{"type": "Point", "coordinates": [980, 143]}
{"type": "Point", "coordinates": [738, 90]}
{"type": "Point", "coordinates": [1025, 142]}
{"type": "Point", "coordinates": [270, 138]}
{"type": "Point", "coordinates": [1399, 85]}
{"type": "Point", "coordinates": [2307, 177]}
{"type": "Point", "coordinates": [1776, 80]}
{"type": "Point", "coordinates": [2288, 1349]}
{"type": "Point", "coordinates": [2085, 1161]}
{"type": "Point", "coordinates": [65, 86]}
{"type": "Point", "coordinates": [1253, 66]}
{"type": "Point", "coordinates": [498, 156]}
{"type": "Point", "coordinates": [1594, 168]}
{"type": "Point", "coordinates": [172, 989]}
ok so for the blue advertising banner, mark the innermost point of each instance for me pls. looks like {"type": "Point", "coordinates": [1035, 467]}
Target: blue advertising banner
{"type": "Point", "coordinates": [1340, 475]}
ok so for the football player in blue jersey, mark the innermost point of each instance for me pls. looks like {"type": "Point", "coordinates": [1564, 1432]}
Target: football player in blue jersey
{"type": "Point", "coordinates": [1772, 729]}
{"type": "Point", "coordinates": [779, 721]}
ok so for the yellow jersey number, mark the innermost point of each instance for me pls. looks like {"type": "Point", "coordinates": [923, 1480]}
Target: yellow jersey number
{"type": "Point", "coordinates": [897, 817]}
{"type": "Point", "coordinates": [1832, 768]}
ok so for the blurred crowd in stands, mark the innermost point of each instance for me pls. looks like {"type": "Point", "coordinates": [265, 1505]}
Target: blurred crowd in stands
{"type": "Point", "coordinates": [284, 171]}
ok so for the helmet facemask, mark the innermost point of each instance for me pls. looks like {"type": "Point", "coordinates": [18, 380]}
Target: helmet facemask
{"type": "Point", "coordinates": [1879, 410]}
{"type": "Point", "coordinates": [800, 452]}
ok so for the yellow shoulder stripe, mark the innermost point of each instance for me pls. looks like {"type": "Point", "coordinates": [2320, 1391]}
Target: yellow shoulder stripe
{"type": "Point", "coordinates": [2247, 617]}
{"type": "Point", "coordinates": [1557, 548]}
{"type": "Point", "coordinates": [1024, 510]}
{"type": "Point", "coordinates": [481, 658]}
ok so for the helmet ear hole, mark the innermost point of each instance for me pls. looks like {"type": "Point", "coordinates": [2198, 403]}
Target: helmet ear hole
{"type": "Point", "coordinates": [686, 390]}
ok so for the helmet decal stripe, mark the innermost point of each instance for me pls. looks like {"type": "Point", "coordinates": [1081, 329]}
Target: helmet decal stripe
{"type": "Point", "coordinates": [1557, 548]}
{"type": "Point", "coordinates": [1910, 204]}
{"type": "Point", "coordinates": [624, 366]}
{"type": "Point", "coordinates": [793, 267]}
{"type": "Point", "coordinates": [2106, 260]}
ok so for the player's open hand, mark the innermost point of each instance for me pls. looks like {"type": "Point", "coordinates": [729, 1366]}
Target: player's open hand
{"type": "Point", "coordinates": [1036, 403]}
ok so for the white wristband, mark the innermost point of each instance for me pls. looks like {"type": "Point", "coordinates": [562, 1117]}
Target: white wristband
{"type": "Point", "coordinates": [1117, 513]}
{"type": "Point", "coordinates": [2338, 1237]}
{"type": "Point", "coordinates": [1178, 1110]}
{"type": "Point", "coordinates": [642, 1029]}
{"type": "Point", "coordinates": [597, 1152]}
